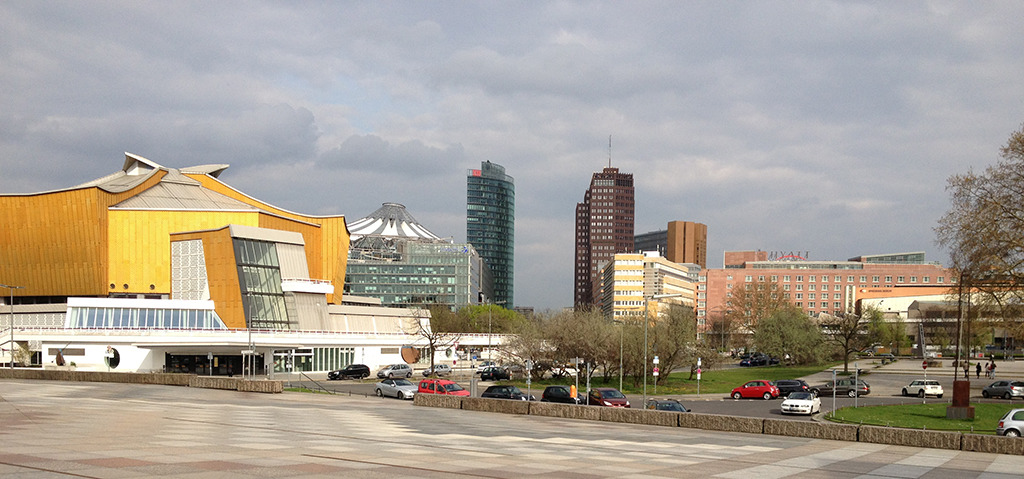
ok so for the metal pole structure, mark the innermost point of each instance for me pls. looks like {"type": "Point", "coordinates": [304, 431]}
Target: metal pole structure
{"type": "Point", "coordinates": [12, 288]}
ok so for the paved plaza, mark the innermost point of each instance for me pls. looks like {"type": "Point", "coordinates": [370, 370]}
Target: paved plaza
{"type": "Point", "coordinates": [102, 430]}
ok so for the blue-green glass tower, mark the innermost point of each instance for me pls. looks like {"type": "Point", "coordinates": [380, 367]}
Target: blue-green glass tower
{"type": "Point", "coordinates": [491, 224]}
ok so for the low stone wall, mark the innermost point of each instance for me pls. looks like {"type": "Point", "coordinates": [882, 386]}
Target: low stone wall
{"type": "Point", "coordinates": [640, 416]}
{"type": "Point", "coordinates": [213, 382]}
{"type": "Point", "coordinates": [166, 379]}
{"type": "Point", "coordinates": [437, 400]}
{"type": "Point", "coordinates": [261, 386]}
{"type": "Point", "coordinates": [993, 444]}
{"type": "Point", "coordinates": [814, 430]}
{"type": "Point", "coordinates": [567, 411]}
{"type": "Point", "coordinates": [910, 437]}
{"type": "Point", "coordinates": [505, 406]}
{"type": "Point", "coordinates": [717, 422]}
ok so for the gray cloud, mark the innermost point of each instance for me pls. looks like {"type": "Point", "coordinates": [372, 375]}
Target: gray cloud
{"type": "Point", "coordinates": [822, 126]}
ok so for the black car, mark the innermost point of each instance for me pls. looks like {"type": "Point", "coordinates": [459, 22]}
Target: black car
{"type": "Point", "coordinates": [352, 371]}
{"type": "Point", "coordinates": [494, 373]}
{"type": "Point", "coordinates": [759, 359]}
{"type": "Point", "coordinates": [506, 392]}
{"type": "Point", "coordinates": [561, 394]}
{"type": "Point", "coordinates": [666, 405]}
{"type": "Point", "coordinates": [787, 386]}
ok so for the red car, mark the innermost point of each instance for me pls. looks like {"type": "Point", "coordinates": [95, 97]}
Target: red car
{"type": "Point", "coordinates": [759, 388]}
{"type": "Point", "coordinates": [610, 397]}
{"type": "Point", "coordinates": [441, 386]}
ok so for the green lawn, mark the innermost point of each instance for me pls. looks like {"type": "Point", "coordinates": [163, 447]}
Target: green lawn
{"type": "Point", "coordinates": [924, 416]}
{"type": "Point", "coordinates": [711, 382]}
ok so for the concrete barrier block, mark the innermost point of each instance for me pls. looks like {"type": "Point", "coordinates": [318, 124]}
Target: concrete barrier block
{"type": "Point", "coordinates": [815, 430]}
{"type": "Point", "coordinates": [717, 422]}
{"type": "Point", "coordinates": [567, 411]}
{"type": "Point", "coordinates": [910, 437]}
{"type": "Point", "coordinates": [437, 400]}
{"type": "Point", "coordinates": [993, 444]}
{"type": "Point", "coordinates": [640, 416]}
{"type": "Point", "coordinates": [504, 406]}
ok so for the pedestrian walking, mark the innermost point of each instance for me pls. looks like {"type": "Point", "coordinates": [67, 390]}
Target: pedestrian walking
{"type": "Point", "coordinates": [992, 371]}
{"type": "Point", "coordinates": [967, 370]}
{"type": "Point", "coordinates": [988, 369]}
{"type": "Point", "coordinates": [977, 370]}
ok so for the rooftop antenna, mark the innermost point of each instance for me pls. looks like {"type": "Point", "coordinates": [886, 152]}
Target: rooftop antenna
{"type": "Point", "coordinates": [609, 151]}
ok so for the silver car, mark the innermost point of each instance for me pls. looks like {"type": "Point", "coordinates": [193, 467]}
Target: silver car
{"type": "Point", "coordinates": [1011, 424]}
{"type": "Point", "coordinates": [397, 388]}
{"type": "Point", "coordinates": [395, 371]}
{"type": "Point", "coordinates": [1004, 389]}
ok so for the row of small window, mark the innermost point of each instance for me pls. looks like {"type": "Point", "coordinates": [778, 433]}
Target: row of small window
{"type": "Point", "coordinates": [824, 279]}
{"type": "Point", "coordinates": [137, 318]}
{"type": "Point", "coordinates": [786, 287]}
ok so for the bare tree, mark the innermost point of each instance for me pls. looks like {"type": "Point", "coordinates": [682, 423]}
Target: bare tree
{"type": "Point", "coordinates": [984, 232]}
{"type": "Point", "coordinates": [750, 302]}
{"type": "Point", "coordinates": [848, 332]}
{"type": "Point", "coordinates": [441, 332]}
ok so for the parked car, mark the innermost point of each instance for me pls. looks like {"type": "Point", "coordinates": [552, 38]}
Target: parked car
{"type": "Point", "coordinates": [484, 365]}
{"type": "Point", "coordinates": [1004, 389]}
{"type": "Point", "coordinates": [759, 359]}
{"type": "Point", "coordinates": [842, 387]}
{"type": "Point", "coordinates": [1012, 423]}
{"type": "Point", "coordinates": [666, 405]}
{"type": "Point", "coordinates": [396, 388]}
{"type": "Point", "coordinates": [922, 388]}
{"type": "Point", "coordinates": [758, 388]}
{"type": "Point", "coordinates": [801, 403]}
{"type": "Point", "coordinates": [395, 371]}
{"type": "Point", "coordinates": [352, 371]}
{"type": "Point", "coordinates": [441, 386]}
{"type": "Point", "coordinates": [609, 397]}
{"type": "Point", "coordinates": [787, 386]}
{"type": "Point", "coordinates": [495, 373]}
{"type": "Point", "coordinates": [438, 370]}
{"type": "Point", "coordinates": [560, 394]}
{"type": "Point", "coordinates": [887, 358]}
{"type": "Point", "coordinates": [506, 392]}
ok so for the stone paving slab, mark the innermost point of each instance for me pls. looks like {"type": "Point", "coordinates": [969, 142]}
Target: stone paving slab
{"type": "Point", "coordinates": [54, 430]}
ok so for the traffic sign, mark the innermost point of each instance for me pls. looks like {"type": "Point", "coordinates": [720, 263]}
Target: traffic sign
{"type": "Point", "coordinates": [655, 371]}
{"type": "Point", "coordinates": [924, 364]}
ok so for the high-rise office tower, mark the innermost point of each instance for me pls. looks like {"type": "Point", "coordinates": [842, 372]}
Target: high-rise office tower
{"type": "Point", "coordinates": [604, 226]}
{"type": "Point", "coordinates": [491, 224]}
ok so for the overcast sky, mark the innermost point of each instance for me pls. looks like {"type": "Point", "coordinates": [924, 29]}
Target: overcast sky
{"type": "Point", "coordinates": [826, 127]}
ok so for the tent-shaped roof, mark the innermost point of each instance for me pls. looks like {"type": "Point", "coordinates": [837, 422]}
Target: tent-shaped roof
{"type": "Point", "coordinates": [391, 220]}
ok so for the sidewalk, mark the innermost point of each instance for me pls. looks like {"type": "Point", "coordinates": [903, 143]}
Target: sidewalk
{"type": "Point", "coordinates": [1004, 369]}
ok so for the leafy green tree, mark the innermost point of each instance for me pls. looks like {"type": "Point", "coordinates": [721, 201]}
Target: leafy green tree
{"type": "Point", "coordinates": [673, 338]}
{"type": "Point", "coordinates": [789, 331]}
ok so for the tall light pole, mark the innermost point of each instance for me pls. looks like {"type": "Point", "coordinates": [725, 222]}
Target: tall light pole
{"type": "Point", "coordinates": [12, 288]}
{"type": "Point", "coordinates": [647, 319]}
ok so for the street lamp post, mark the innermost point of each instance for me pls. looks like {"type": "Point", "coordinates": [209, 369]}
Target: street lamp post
{"type": "Point", "coordinates": [12, 288]}
{"type": "Point", "coordinates": [647, 319]}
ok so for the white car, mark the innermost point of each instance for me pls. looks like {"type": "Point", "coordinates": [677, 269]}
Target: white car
{"type": "Point", "coordinates": [801, 403]}
{"type": "Point", "coordinates": [922, 388]}
{"type": "Point", "coordinates": [397, 388]}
